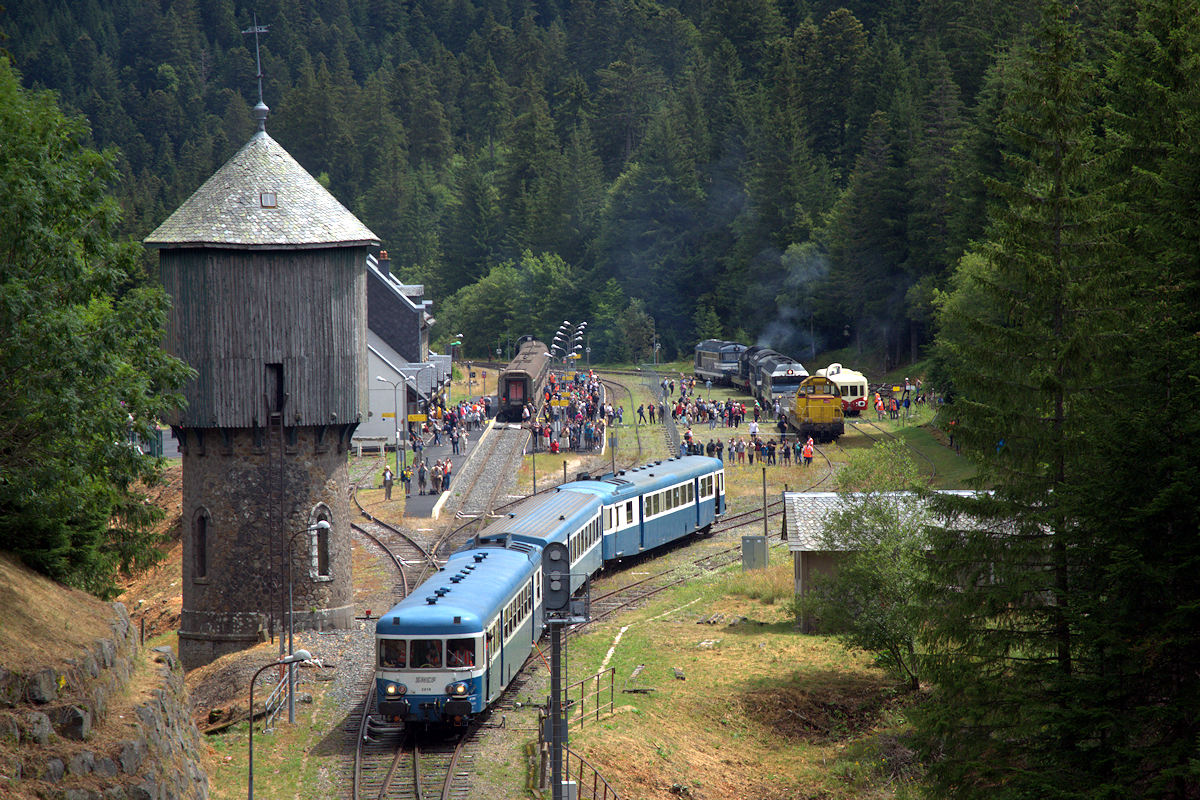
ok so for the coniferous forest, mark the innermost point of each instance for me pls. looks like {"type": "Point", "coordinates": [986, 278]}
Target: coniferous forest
{"type": "Point", "coordinates": [1008, 189]}
{"type": "Point", "coordinates": [772, 171]}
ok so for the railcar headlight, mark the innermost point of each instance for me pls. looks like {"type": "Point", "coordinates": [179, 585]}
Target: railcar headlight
{"type": "Point", "coordinates": [396, 689]}
{"type": "Point", "coordinates": [456, 689]}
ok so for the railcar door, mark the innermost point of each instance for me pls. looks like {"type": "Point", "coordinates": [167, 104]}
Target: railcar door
{"type": "Point", "coordinates": [493, 652]}
{"type": "Point", "coordinates": [643, 510]}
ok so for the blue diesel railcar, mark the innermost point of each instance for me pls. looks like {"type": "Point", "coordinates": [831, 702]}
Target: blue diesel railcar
{"type": "Point", "coordinates": [447, 651]}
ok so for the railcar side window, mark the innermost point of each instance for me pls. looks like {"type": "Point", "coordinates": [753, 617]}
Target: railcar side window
{"type": "Point", "coordinates": [460, 653]}
{"type": "Point", "coordinates": [427, 653]}
{"type": "Point", "coordinates": [392, 652]}
{"type": "Point", "coordinates": [629, 513]}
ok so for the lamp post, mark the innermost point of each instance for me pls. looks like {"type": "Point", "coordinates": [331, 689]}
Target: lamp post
{"type": "Point", "coordinates": [396, 414]}
{"type": "Point", "coordinates": [299, 655]}
{"type": "Point", "coordinates": [458, 340]}
{"type": "Point", "coordinates": [321, 525]}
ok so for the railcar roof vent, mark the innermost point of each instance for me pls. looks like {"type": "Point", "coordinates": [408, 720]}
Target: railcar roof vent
{"type": "Point", "coordinates": [455, 578]}
{"type": "Point", "coordinates": [480, 557]}
{"type": "Point", "coordinates": [441, 591]}
{"type": "Point", "coordinates": [431, 600]}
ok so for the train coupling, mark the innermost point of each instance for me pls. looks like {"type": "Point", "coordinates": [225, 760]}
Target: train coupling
{"type": "Point", "coordinates": [382, 729]}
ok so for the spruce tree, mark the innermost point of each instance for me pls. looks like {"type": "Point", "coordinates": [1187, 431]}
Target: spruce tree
{"type": "Point", "coordinates": [1023, 335]}
{"type": "Point", "coordinates": [1144, 610]}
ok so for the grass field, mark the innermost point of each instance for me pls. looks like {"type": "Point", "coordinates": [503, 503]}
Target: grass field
{"type": "Point", "coordinates": [761, 711]}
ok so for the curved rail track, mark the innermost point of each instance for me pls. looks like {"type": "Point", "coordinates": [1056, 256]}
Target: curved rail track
{"type": "Point", "coordinates": [858, 425]}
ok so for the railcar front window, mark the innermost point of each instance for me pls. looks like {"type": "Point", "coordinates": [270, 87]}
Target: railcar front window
{"type": "Point", "coordinates": [788, 385]}
{"type": "Point", "coordinates": [392, 652]}
{"type": "Point", "coordinates": [427, 653]}
{"type": "Point", "coordinates": [460, 653]}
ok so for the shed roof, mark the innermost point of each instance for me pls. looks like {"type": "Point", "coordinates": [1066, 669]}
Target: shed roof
{"type": "Point", "coordinates": [232, 208]}
{"type": "Point", "coordinates": [805, 514]}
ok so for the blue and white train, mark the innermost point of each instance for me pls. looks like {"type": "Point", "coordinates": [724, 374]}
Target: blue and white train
{"type": "Point", "coordinates": [447, 651]}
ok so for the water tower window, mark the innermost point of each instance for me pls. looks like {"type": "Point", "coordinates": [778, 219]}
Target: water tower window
{"type": "Point", "coordinates": [200, 545]}
{"type": "Point", "coordinates": [322, 545]}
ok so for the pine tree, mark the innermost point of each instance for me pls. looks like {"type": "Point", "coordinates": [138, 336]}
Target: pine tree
{"type": "Point", "coordinates": [1022, 334]}
{"type": "Point", "coordinates": [1144, 612]}
{"type": "Point", "coordinates": [867, 241]}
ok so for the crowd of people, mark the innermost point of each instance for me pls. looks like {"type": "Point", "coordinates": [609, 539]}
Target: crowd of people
{"type": "Point", "coordinates": [444, 423]}
{"type": "Point", "coordinates": [574, 415]}
{"type": "Point", "coordinates": [745, 450]}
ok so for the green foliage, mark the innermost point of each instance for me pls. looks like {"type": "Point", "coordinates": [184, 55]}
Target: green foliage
{"type": "Point", "coordinates": [679, 148]}
{"type": "Point", "coordinates": [1048, 648]}
{"type": "Point", "coordinates": [873, 602]}
{"type": "Point", "coordinates": [81, 369]}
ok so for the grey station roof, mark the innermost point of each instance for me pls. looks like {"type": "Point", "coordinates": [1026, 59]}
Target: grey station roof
{"type": "Point", "coordinates": [261, 199]}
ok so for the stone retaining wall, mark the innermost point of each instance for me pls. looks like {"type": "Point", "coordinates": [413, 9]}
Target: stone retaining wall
{"type": "Point", "coordinates": [68, 748]}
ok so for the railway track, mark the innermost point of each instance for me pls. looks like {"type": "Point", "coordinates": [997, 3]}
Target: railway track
{"type": "Point", "coordinates": [400, 767]}
{"type": "Point", "coordinates": [489, 472]}
{"type": "Point", "coordinates": [634, 594]}
{"type": "Point", "coordinates": [886, 434]}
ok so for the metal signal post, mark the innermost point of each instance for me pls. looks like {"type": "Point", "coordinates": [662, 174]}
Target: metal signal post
{"type": "Point", "coordinates": [556, 576]}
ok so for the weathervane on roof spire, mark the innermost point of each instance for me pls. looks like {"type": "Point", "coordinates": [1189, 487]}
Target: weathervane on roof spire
{"type": "Point", "coordinates": [260, 110]}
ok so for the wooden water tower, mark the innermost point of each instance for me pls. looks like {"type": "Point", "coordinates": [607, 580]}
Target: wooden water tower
{"type": "Point", "coordinates": [267, 274]}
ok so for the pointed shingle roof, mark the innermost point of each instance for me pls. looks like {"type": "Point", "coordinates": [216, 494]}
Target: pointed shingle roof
{"type": "Point", "coordinates": [232, 209]}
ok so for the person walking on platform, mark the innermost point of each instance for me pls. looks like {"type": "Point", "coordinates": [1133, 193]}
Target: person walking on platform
{"type": "Point", "coordinates": [406, 479]}
{"type": "Point", "coordinates": [387, 483]}
{"type": "Point", "coordinates": [435, 477]}
{"type": "Point", "coordinates": [446, 475]}
{"type": "Point", "coordinates": [422, 476]}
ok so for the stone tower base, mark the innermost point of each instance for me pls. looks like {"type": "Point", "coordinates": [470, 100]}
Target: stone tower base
{"type": "Point", "coordinates": [251, 505]}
